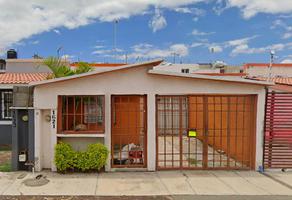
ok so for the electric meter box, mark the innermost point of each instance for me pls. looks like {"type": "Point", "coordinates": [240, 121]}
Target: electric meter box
{"type": "Point", "coordinates": [22, 157]}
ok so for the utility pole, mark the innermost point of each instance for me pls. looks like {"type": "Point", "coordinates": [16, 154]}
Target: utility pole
{"type": "Point", "coordinates": [272, 54]}
{"type": "Point", "coordinates": [115, 39]}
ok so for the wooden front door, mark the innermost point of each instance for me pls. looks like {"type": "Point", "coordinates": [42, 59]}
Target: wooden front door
{"type": "Point", "coordinates": [129, 134]}
{"type": "Point", "coordinates": [223, 127]}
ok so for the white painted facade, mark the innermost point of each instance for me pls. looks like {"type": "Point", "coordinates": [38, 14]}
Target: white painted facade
{"type": "Point", "coordinates": [136, 80]}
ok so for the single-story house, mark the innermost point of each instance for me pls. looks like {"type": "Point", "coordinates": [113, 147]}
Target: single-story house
{"type": "Point", "coordinates": [152, 119]}
{"type": "Point", "coordinates": [278, 121]}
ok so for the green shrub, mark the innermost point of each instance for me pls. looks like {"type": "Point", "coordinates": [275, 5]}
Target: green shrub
{"type": "Point", "coordinates": [94, 158]}
{"type": "Point", "coordinates": [64, 157]}
{"type": "Point", "coordinates": [97, 155]}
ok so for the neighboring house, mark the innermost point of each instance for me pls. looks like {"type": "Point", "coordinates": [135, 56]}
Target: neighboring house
{"type": "Point", "coordinates": [180, 68]}
{"type": "Point", "coordinates": [26, 66]}
{"type": "Point", "coordinates": [278, 129]}
{"type": "Point", "coordinates": [200, 68]}
{"type": "Point", "coordinates": [7, 81]}
{"type": "Point", "coordinates": [15, 72]}
{"type": "Point", "coordinates": [263, 69]}
{"type": "Point", "coordinates": [152, 119]}
{"type": "Point", "coordinates": [279, 73]}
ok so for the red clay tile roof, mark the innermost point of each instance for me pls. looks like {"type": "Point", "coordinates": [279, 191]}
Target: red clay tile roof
{"type": "Point", "coordinates": [21, 78]}
{"type": "Point", "coordinates": [282, 83]}
{"type": "Point", "coordinates": [284, 88]}
{"type": "Point", "coordinates": [277, 80]}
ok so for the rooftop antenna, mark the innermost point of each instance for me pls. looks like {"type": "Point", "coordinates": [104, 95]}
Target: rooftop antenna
{"type": "Point", "coordinates": [272, 56]}
{"type": "Point", "coordinates": [58, 51]}
{"type": "Point", "coordinates": [115, 38]}
{"type": "Point", "coordinates": [174, 55]}
{"type": "Point", "coordinates": [137, 59]}
{"type": "Point", "coordinates": [212, 51]}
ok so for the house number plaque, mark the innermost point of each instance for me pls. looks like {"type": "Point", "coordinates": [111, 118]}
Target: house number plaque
{"type": "Point", "coordinates": [53, 119]}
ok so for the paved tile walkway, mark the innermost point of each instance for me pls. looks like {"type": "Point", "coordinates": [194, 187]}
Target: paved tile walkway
{"type": "Point", "coordinates": [151, 183]}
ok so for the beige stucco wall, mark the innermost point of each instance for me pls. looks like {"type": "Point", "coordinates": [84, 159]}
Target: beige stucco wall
{"type": "Point", "coordinates": [138, 81]}
{"type": "Point", "coordinates": [26, 65]}
{"type": "Point", "coordinates": [264, 71]}
{"type": "Point", "coordinates": [80, 143]}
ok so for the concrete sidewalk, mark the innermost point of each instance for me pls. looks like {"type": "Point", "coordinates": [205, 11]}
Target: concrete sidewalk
{"type": "Point", "coordinates": [150, 183]}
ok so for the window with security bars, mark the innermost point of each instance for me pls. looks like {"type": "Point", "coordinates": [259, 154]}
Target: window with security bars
{"type": "Point", "coordinates": [81, 114]}
{"type": "Point", "coordinates": [6, 103]}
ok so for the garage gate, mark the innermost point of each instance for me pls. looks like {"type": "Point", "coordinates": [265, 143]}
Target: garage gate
{"type": "Point", "coordinates": [278, 130]}
{"type": "Point", "coordinates": [205, 132]}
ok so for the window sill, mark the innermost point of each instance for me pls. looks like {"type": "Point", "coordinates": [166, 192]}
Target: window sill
{"type": "Point", "coordinates": [81, 135]}
{"type": "Point", "coordinates": [82, 132]}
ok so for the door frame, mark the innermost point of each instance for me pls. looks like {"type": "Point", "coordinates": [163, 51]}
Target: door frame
{"type": "Point", "coordinates": [145, 150]}
{"type": "Point", "coordinates": [253, 128]}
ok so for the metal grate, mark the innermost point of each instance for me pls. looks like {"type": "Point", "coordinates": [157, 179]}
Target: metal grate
{"type": "Point", "coordinates": [278, 130]}
{"type": "Point", "coordinates": [224, 127]}
{"type": "Point", "coordinates": [129, 135]}
{"type": "Point", "coordinates": [81, 114]}
{"type": "Point", "coordinates": [6, 103]}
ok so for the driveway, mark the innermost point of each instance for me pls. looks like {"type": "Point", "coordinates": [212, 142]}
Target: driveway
{"type": "Point", "coordinates": [166, 183]}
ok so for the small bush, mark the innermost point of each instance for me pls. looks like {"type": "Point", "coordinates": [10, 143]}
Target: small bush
{"type": "Point", "coordinates": [97, 155]}
{"type": "Point", "coordinates": [64, 157]}
{"type": "Point", "coordinates": [94, 158]}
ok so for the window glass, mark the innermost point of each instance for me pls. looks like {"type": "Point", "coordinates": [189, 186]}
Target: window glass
{"type": "Point", "coordinates": [82, 113]}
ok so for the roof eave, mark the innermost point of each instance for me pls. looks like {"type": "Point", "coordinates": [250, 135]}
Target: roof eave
{"type": "Point", "coordinates": [207, 77]}
{"type": "Point", "coordinates": [95, 72]}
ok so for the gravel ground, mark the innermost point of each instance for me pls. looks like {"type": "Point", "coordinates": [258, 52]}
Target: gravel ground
{"type": "Point", "coordinates": [5, 156]}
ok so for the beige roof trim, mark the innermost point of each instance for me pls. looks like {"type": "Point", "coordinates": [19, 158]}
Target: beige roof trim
{"type": "Point", "coordinates": [98, 71]}
{"type": "Point", "coordinates": [214, 78]}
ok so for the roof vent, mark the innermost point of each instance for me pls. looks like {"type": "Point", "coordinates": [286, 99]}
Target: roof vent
{"type": "Point", "coordinates": [11, 54]}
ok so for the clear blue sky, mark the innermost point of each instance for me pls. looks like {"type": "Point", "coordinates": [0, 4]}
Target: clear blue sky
{"type": "Point", "coordinates": [234, 31]}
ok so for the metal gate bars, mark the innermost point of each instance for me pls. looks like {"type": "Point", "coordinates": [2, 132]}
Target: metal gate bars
{"type": "Point", "coordinates": [205, 132]}
{"type": "Point", "coordinates": [129, 132]}
{"type": "Point", "coordinates": [278, 130]}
